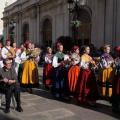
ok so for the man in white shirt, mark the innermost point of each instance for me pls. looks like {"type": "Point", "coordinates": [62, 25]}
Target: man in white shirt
{"type": "Point", "coordinates": [8, 51]}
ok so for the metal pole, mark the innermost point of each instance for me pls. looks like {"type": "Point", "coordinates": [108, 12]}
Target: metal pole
{"type": "Point", "coordinates": [69, 23]}
{"type": "Point", "coordinates": [76, 11]}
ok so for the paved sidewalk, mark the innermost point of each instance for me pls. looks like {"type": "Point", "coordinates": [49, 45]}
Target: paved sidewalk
{"type": "Point", "coordinates": [42, 106]}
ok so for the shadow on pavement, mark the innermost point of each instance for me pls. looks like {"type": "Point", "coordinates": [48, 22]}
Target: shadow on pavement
{"type": "Point", "coordinates": [101, 108]}
{"type": "Point", "coordinates": [7, 117]}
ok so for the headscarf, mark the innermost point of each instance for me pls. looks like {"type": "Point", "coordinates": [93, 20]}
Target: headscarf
{"type": "Point", "coordinates": [117, 49]}
{"type": "Point", "coordinates": [27, 43]}
{"type": "Point", "coordinates": [75, 48]}
{"type": "Point", "coordinates": [8, 40]}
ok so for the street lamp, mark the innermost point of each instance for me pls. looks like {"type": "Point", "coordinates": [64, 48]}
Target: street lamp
{"type": "Point", "coordinates": [70, 4]}
{"type": "Point", "coordinates": [82, 2]}
{"type": "Point", "coordinates": [14, 23]}
{"type": "Point", "coordinates": [73, 7]}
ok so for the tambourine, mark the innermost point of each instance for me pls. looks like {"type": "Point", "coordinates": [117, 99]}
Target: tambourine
{"type": "Point", "coordinates": [36, 52]}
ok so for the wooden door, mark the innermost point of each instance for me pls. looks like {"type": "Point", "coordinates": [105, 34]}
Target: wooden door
{"type": "Point", "coordinates": [84, 35]}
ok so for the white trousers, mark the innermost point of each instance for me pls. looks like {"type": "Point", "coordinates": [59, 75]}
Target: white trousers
{"type": "Point", "coordinates": [16, 67]}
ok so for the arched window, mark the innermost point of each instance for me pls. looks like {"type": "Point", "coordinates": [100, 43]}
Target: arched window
{"type": "Point", "coordinates": [47, 32]}
{"type": "Point", "coordinates": [25, 32]}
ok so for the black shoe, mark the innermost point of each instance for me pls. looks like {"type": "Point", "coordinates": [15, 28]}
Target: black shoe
{"type": "Point", "coordinates": [30, 90]}
{"type": "Point", "coordinates": [7, 110]}
{"type": "Point", "coordinates": [47, 87]}
{"type": "Point", "coordinates": [19, 109]}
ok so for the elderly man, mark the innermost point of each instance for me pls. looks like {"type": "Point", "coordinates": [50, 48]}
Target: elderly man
{"type": "Point", "coordinates": [8, 85]}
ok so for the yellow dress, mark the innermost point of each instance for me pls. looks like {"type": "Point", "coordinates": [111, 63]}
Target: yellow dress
{"type": "Point", "coordinates": [105, 80]}
{"type": "Point", "coordinates": [30, 77]}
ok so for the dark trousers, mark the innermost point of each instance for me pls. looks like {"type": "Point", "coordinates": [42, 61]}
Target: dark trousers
{"type": "Point", "coordinates": [8, 94]}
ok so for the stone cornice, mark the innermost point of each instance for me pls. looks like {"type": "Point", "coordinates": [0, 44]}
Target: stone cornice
{"type": "Point", "coordinates": [36, 8]}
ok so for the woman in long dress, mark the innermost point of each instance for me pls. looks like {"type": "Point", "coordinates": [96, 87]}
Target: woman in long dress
{"type": "Point", "coordinates": [106, 73]}
{"type": "Point", "coordinates": [74, 70]}
{"type": "Point", "coordinates": [48, 68]}
{"type": "Point", "coordinates": [86, 87]}
{"type": "Point", "coordinates": [30, 78]}
{"type": "Point", "coordinates": [115, 99]}
{"type": "Point", "coordinates": [60, 81]}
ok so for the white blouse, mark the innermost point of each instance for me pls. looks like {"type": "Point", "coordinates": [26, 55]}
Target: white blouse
{"type": "Point", "coordinates": [117, 62]}
{"type": "Point", "coordinates": [55, 61]}
{"type": "Point", "coordinates": [76, 59]}
{"type": "Point", "coordinates": [106, 64]}
{"type": "Point", "coordinates": [20, 56]}
{"type": "Point", "coordinates": [48, 59]}
{"type": "Point", "coordinates": [84, 64]}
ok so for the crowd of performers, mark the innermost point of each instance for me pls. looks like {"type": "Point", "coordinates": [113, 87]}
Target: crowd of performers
{"type": "Point", "coordinates": [24, 60]}
{"type": "Point", "coordinates": [74, 73]}
{"type": "Point", "coordinates": [85, 78]}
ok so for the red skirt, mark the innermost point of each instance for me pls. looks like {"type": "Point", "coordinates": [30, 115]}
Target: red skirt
{"type": "Point", "coordinates": [47, 74]}
{"type": "Point", "coordinates": [116, 86]}
{"type": "Point", "coordinates": [115, 99]}
{"type": "Point", "coordinates": [86, 87]}
{"type": "Point", "coordinates": [73, 74]}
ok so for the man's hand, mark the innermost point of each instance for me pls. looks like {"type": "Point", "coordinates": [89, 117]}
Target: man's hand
{"type": "Point", "coordinates": [5, 80]}
{"type": "Point", "coordinates": [10, 81]}
{"type": "Point", "coordinates": [10, 56]}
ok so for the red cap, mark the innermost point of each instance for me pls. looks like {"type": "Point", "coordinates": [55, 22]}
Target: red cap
{"type": "Point", "coordinates": [58, 44]}
{"type": "Point", "coordinates": [75, 48]}
{"type": "Point", "coordinates": [27, 43]}
{"type": "Point", "coordinates": [8, 40]}
{"type": "Point", "coordinates": [118, 49]}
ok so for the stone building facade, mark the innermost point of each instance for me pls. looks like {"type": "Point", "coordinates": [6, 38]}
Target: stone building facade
{"type": "Point", "coordinates": [43, 21]}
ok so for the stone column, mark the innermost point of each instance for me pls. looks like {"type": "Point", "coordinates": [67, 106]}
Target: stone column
{"type": "Point", "coordinates": [38, 26]}
{"type": "Point", "coordinates": [20, 39]}
{"type": "Point", "coordinates": [17, 30]}
{"type": "Point", "coordinates": [33, 26]}
{"type": "Point", "coordinates": [5, 29]}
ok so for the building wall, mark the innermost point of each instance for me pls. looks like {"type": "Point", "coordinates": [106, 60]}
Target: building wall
{"type": "Point", "coordinates": [104, 14]}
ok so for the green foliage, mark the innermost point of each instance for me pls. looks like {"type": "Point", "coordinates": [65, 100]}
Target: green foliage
{"type": "Point", "coordinates": [13, 35]}
{"type": "Point", "coordinates": [75, 23]}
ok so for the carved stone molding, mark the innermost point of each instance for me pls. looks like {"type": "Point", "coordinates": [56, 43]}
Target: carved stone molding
{"type": "Point", "coordinates": [33, 15]}
{"type": "Point", "coordinates": [5, 24]}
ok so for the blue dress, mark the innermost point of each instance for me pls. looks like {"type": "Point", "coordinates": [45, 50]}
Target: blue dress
{"type": "Point", "coordinates": [60, 87]}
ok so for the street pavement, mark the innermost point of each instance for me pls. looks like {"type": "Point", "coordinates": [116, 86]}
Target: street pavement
{"type": "Point", "coordinates": [42, 106]}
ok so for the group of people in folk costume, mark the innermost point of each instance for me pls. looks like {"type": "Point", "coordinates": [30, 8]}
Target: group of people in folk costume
{"type": "Point", "coordinates": [74, 74]}
{"type": "Point", "coordinates": [24, 60]}
{"type": "Point", "coordinates": [69, 74]}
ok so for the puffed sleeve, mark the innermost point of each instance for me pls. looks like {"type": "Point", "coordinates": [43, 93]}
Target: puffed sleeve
{"type": "Point", "coordinates": [23, 56]}
{"type": "Point", "coordinates": [55, 62]}
{"type": "Point", "coordinates": [47, 60]}
{"type": "Point", "coordinates": [103, 63]}
{"type": "Point", "coordinates": [3, 53]}
{"type": "Point", "coordinates": [18, 52]}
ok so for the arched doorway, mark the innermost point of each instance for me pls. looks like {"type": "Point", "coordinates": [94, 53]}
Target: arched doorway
{"type": "Point", "coordinates": [84, 31]}
{"type": "Point", "coordinates": [47, 32]}
{"type": "Point", "coordinates": [25, 32]}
